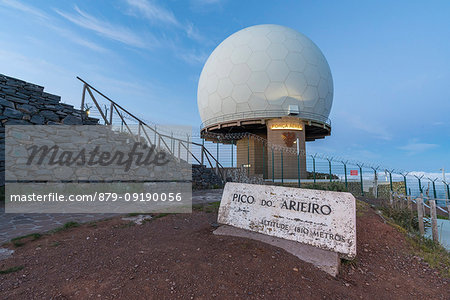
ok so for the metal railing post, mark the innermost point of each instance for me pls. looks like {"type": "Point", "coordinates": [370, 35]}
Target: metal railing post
{"type": "Point", "coordinates": [187, 149]}
{"type": "Point", "coordinates": [202, 155]}
{"type": "Point", "coordinates": [83, 96]}
{"type": "Point", "coordinates": [203, 150]}
{"type": "Point", "coordinates": [217, 155]}
{"type": "Point", "coordinates": [139, 132]}
{"type": "Point", "coordinates": [111, 113]}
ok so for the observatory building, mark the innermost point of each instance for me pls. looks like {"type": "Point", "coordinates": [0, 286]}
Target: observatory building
{"type": "Point", "coordinates": [271, 81]}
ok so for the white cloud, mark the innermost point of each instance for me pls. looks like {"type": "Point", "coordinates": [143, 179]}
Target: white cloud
{"type": "Point", "coordinates": [49, 21]}
{"type": "Point", "coordinates": [106, 29]}
{"type": "Point", "coordinates": [430, 175]}
{"type": "Point", "coordinates": [415, 147]}
{"type": "Point", "coordinates": [369, 126]}
{"type": "Point", "coordinates": [158, 14]}
{"type": "Point", "coordinates": [24, 8]}
{"type": "Point", "coordinates": [153, 12]}
{"type": "Point", "coordinates": [70, 35]}
{"type": "Point", "coordinates": [192, 57]}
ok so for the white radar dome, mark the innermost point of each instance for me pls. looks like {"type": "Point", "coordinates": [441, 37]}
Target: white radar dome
{"type": "Point", "coordinates": [265, 71]}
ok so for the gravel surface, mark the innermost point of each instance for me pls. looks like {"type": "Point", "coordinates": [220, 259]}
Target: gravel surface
{"type": "Point", "coordinates": [178, 257]}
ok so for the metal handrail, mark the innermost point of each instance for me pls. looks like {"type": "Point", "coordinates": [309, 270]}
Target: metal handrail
{"type": "Point", "coordinates": [115, 106]}
{"type": "Point", "coordinates": [309, 116]}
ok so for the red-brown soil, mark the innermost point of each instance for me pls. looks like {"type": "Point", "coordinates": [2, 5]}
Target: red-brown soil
{"type": "Point", "coordinates": [178, 257]}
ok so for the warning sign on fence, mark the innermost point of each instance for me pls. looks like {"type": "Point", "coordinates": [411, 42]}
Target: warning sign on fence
{"type": "Point", "coordinates": [354, 172]}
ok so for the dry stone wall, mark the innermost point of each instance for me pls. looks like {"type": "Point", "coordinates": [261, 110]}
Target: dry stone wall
{"type": "Point", "coordinates": [24, 103]}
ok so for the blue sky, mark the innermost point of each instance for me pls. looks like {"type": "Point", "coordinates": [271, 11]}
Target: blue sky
{"type": "Point", "coordinates": [390, 62]}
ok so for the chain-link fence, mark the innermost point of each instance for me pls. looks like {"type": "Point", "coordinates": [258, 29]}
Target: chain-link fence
{"type": "Point", "coordinates": [290, 166]}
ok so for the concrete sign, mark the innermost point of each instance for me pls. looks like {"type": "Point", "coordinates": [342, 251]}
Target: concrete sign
{"type": "Point", "coordinates": [320, 218]}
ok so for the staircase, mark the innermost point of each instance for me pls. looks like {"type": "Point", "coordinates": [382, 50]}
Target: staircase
{"type": "Point", "coordinates": [207, 170]}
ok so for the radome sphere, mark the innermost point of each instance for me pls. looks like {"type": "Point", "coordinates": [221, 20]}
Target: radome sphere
{"type": "Point", "coordinates": [265, 70]}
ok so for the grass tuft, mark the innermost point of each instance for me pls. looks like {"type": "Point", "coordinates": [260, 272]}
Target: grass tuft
{"type": "Point", "coordinates": [11, 270]}
{"type": "Point", "coordinates": [66, 226]}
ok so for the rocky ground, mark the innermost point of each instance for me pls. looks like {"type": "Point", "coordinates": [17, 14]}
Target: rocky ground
{"type": "Point", "coordinates": [178, 257]}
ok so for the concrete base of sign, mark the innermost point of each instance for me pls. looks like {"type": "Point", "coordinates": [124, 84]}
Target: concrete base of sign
{"type": "Point", "coordinates": [325, 260]}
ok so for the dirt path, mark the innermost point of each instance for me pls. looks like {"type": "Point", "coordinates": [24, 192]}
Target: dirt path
{"type": "Point", "coordinates": [14, 225]}
{"type": "Point", "coordinates": [178, 257]}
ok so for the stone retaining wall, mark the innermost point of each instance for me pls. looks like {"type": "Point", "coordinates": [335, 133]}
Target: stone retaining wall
{"type": "Point", "coordinates": [24, 103]}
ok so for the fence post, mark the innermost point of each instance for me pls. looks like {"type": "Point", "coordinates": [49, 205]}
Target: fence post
{"type": "Point", "coordinates": [404, 180]}
{"type": "Point", "coordinates": [273, 166]}
{"type": "Point", "coordinates": [232, 143]}
{"type": "Point", "coordinates": [448, 208]}
{"type": "Point", "coordinates": [419, 202]}
{"type": "Point", "coordinates": [345, 174]}
{"type": "Point", "coordinates": [248, 156]}
{"type": "Point", "coordinates": [434, 227]}
{"type": "Point", "coordinates": [434, 189]}
{"type": "Point", "coordinates": [298, 167]}
{"type": "Point", "coordinates": [375, 182]}
{"type": "Point", "coordinates": [391, 198]}
{"type": "Point", "coordinates": [408, 198]}
{"type": "Point", "coordinates": [390, 181]}
{"type": "Point", "coordinates": [264, 162]}
{"type": "Point", "coordinates": [361, 178]}
{"type": "Point", "coordinates": [314, 167]}
{"type": "Point", "coordinates": [420, 183]}
{"type": "Point", "coordinates": [329, 167]}
{"type": "Point", "coordinates": [282, 170]}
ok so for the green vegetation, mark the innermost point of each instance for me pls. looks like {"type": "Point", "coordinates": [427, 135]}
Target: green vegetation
{"type": "Point", "coordinates": [19, 241]}
{"type": "Point", "coordinates": [432, 253]}
{"type": "Point", "coordinates": [361, 208]}
{"type": "Point", "coordinates": [159, 216]}
{"type": "Point", "coordinates": [403, 217]}
{"type": "Point", "coordinates": [66, 226]}
{"type": "Point", "coordinates": [11, 270]}
{"type": "Point", "coordinates": [326, 186]}
{"type": "Point", "coordinates": [353, 263]}
{"type": "Point", "coordinates": [212, 207]}
{"type": "Point", "coordinates": [322, 175]}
